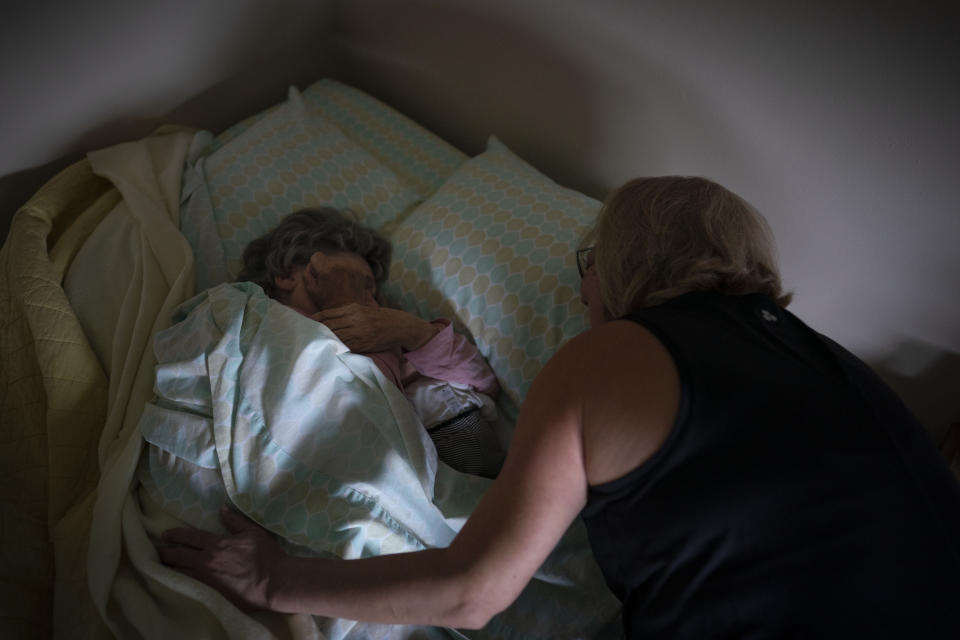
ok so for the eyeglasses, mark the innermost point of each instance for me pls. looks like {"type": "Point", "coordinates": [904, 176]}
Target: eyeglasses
{"type": "Point", "coordinates": [584, 260]}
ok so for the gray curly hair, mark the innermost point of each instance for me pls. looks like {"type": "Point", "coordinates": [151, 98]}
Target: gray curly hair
{"type": "Point", "coordinates": [278, 253]}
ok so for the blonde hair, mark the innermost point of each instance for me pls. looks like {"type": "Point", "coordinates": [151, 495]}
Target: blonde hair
{"type": "Point", "coordinates": [658, 238]}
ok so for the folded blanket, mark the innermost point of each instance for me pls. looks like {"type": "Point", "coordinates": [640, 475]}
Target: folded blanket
{"type": "Point", "coordinates": [52, 397]}
{"type": "Point", "coordinates": [56, 403]}
{"type": "Point", "coordinates": [261, 406]}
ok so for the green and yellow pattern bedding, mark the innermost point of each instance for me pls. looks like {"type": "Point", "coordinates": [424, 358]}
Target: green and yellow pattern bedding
{"type": "Point", "coordinates": [489, 268]}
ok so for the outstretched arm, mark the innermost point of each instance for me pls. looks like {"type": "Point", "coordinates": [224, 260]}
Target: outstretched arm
{"type": "Point", "coordinates": [249, 568]}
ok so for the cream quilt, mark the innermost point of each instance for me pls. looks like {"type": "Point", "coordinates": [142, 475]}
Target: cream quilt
{"type": "Point", "coordinates": [62, 421]}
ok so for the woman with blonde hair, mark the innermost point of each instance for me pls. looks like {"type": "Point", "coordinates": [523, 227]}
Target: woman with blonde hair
{"type": "Point", "coordinates": [739, 474]}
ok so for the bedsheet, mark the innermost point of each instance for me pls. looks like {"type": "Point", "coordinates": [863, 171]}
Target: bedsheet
{"type": "Point", "coordinates": [262, 407]}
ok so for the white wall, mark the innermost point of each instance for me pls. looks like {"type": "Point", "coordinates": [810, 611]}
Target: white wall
{"type": "Point", "coordinates": [839, 122]}
{"type": "Point", "coordinates": [76, 76]}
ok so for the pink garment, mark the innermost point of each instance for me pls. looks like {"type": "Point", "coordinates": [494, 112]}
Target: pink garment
{"type": "Point", "coordinates": [446, 356]}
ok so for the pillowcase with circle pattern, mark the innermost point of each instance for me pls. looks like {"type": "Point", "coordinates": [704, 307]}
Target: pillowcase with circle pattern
{"type": "Point", "coordinates": [494, 249]}
{"type": "Point", "coordinates": [286, 160]}
{"type": "Point", "coordinates": [418, 156]}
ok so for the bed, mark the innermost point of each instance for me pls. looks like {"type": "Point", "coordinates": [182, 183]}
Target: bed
{"type": "Point", "coordinates": [126, 350]}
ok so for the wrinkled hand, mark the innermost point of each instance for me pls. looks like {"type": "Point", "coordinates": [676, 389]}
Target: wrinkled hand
{"type": "Point", "coordinates": [367, 329]}
{"type": "Point", "coordinates": [238, 565]}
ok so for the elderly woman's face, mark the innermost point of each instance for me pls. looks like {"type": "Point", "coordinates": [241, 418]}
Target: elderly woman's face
{"type": "Point", "coordinates": [336, 280]}
{"type": "Point", "coordinates": [330, 280]}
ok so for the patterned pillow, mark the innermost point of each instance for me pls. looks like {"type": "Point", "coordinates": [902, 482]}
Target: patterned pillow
{"type": "Point", "coordinates": [420, 158]}
{"type": "Point", "coordinates": [289, 159]}
{"type": "Point", "coordinates": [494, 249]}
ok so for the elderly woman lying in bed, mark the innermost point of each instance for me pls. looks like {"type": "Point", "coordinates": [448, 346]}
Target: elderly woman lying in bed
{"type": "Point", "coordinates": [328, 267]}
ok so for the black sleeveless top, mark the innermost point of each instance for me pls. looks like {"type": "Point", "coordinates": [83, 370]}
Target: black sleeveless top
{"type": "Point", "coordinates": [795, 497]}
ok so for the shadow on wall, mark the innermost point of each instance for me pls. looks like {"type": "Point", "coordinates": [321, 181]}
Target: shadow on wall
{"type": "Point", "coordinates": [465, 74]}
{"type": "Point", "coordinates": [273, 50]}
{"type": "Point", "coordinates": [17, 188]}
{"type": "Point", "coordinates": [927, 379]}
{"type": "Point", "coordinates": [570, 95]}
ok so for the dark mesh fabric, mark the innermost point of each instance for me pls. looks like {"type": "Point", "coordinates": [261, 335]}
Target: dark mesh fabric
{"type": "Point", "coordinates": [468, 444]}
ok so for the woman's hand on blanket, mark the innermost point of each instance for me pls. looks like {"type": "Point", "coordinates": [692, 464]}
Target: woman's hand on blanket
{"type": "Point", "coordinates": [367, 329]}
{"type": "Point", "coordinates": [238, 565]}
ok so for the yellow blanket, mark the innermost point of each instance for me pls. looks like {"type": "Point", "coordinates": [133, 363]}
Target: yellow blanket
{"type": "Point", "coordinates": [62, 423]}
{"type": "Point", "coordinates": [53, 396]}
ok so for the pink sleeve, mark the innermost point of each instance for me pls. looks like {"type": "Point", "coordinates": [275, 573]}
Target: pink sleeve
{"type": "Point", "coordinates": [389, 364]}
{"type": "Point", "coordinates": [450, 357]}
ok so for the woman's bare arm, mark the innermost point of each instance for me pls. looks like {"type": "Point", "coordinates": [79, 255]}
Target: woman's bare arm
{"type": "Point", "coordinates": [539, 492]}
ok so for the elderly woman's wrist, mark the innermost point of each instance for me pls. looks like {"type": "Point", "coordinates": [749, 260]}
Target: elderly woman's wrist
{"type": "Point", "coordinates": [422, 335]}
{"type": "Point", "coordinates": [283, 574]}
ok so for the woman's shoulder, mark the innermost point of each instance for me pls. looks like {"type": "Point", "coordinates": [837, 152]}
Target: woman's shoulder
{"type": "Point", "coordinates": [615, 345]}
{"type": "Point", "coordinates": [628, 391]}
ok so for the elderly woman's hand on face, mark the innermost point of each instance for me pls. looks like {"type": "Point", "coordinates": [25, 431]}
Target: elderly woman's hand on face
{"type": "Point", "coordinates": [240, 565]}
{"type": "Point", "coordinates": [367, 329]}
